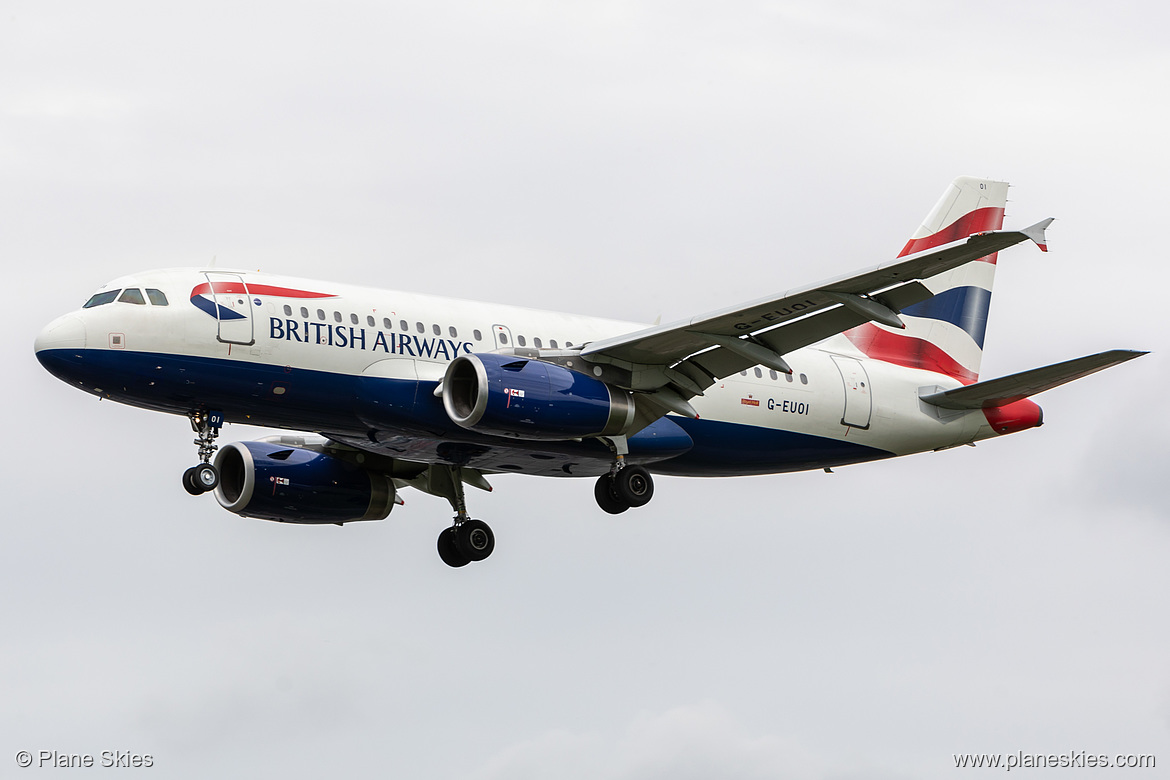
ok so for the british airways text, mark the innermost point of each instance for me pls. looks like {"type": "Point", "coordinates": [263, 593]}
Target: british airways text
{"type": "Point", "coordinates": [357, 338]}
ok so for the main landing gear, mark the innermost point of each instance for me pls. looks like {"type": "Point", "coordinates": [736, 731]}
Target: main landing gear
{"type": "Point", "coordinates": [623, 487]}
{"type": "Point", "coordinates": [203, 477]}
{"type": "Point", "coordinates": [467, 539]}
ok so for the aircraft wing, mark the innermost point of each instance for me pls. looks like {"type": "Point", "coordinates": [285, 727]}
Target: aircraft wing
{"type": "Point", "coordinates": [674, 362]}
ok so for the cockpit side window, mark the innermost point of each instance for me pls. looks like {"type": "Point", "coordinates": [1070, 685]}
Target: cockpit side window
{"type": "Point", "coordinates": [100, 299]}
{"type": "Point", "coordinates": [157, 297]}
{"type": "Point", "coordinates": [132, 295]}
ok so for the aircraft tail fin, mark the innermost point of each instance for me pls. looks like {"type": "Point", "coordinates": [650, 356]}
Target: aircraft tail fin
{"type": "Point", "coordinates": [945, 333]}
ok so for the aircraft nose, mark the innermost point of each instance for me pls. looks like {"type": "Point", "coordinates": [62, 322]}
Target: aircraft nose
{"type": "Point", "coordinates": [67, 332]}
{"type": "Point", "coordinates": [61, 348]}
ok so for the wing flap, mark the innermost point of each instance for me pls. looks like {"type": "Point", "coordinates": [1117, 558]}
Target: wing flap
{"type": "Point", "coordinates": [1009, 389]}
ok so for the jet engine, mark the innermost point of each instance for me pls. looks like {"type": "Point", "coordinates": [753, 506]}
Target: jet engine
{"type": "Point", "coordinates": [505, 395]}
{"type": "Point", "coordinates": [291, 484]}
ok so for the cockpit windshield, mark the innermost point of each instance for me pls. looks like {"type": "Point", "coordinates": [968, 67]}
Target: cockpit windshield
{"type": "Point", "coordinates": [130, 295]}
{"type": "Point", "coordinates": [100, 299]}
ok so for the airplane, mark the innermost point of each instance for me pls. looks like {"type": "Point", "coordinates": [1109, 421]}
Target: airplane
{"type": "Point", "coordinates": [383, 391]}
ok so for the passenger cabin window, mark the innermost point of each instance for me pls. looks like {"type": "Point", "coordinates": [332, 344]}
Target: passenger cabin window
{"type": "Point", "coordinates": [477, 334]}
{"type": "Point", "coordinates": [552, 343]}
{"type": "Point", "coordinates": [521, 340]}
{"type": "Point", "coordinates": [454, 333]}
{"type": "Point", "coordinates": [804, 379]}
{"type": "Point", "coordinates": [321, 314]}
{"type": "Point", "coordinates": [337, 316]}
{"type": "Point", "coordinates": [387, 324]}
{"type": "Point", "coordinates": [304, 312]}
{"type": "Point", "coordinates": [158, 298]}
{"type": "Point", "coordinates": [503, 337]}
{"type": "Point", "coordinates": [536, 343]}
{"type": "Point", "coordinates": [772, 375]}
{"type": "Point", "coordinates": [370, 321]}
{"type": "Point", "coordinates": [287, 310]}
{"type": "Point", "coordinates": [759, 374]}
{"type": "Point", "coordinates": [438, 331]}
{"type": "Point", "coordinates": [419, 327]}
{"type": "Point", "coordinates": [403, 325]}
{"type": "Point", "coordinates": [132, 295]}
{"type": "Point", "coordinates": [102, 298]}
{"type": "Point", "coordinates": [353, 319]}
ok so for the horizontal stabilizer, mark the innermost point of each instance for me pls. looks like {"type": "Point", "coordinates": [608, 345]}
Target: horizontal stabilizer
{"type": "Point", "coordinates": [1009, 389]}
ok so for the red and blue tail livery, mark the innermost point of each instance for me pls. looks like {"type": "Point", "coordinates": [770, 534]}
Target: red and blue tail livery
{"type": "Point", "coordinates": [400, 391]}
{"type": "Point", "coordinates": [944, 334]}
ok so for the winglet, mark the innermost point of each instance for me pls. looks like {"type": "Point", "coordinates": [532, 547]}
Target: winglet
{"type": "Point", "coordinates": [1036, 233]}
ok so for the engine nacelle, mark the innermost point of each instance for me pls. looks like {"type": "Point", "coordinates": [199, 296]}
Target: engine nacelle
{"type": "Point", "coordinates": [530, 399]}
{"type": "Point", "coordinates": [290, 484]}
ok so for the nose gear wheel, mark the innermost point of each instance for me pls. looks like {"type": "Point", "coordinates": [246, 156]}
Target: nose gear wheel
{"type": "Point", "coordinates": [203, 477]}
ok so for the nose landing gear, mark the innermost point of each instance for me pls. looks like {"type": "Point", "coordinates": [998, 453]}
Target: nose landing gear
{"type": "Point", "coordinates": [203, 477]}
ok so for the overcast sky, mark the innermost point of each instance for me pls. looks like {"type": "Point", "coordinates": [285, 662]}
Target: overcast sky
{"type": "Point", "coordinates": [629, 160]}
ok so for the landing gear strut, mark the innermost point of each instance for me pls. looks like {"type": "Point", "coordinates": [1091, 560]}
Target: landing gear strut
{"type": "Point", "coordinates": [467, 539]}
{"type": "Point", "coordinates": [204, 476]}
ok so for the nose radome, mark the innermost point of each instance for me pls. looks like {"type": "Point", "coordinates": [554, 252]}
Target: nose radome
{"type": "Point", "coordinates": [67, 332]}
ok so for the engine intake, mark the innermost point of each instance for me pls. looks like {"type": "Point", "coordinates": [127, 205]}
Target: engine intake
{"type": "Point", "coordinates": [530, 399]}
{"type": "Point", "coordinates": [291, 484]}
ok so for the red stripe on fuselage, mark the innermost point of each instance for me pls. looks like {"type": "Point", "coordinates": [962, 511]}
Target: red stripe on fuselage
{"type": "Point", "coordinates": [256, 289]}
{"type": "Point", "coordinates": [977, 221]}
{"type": "Point", "coordinates": [907, 351]}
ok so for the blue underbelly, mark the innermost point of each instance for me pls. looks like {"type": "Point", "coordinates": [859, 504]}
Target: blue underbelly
{"type": "Point", "coordinates": [366, 411]}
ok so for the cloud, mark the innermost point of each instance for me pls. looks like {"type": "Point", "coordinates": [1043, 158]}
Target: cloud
{"type": "Point", "coordinates": [696, 741]}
